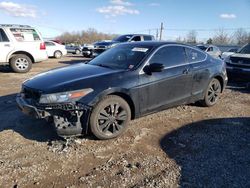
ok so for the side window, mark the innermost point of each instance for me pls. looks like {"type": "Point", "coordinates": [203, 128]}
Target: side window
{"type": "Point", "coordinates": [210, 49]}
{"type": "Point", "coordinates": [49, 44]}
{"type": "Point", "coordinates": [25, 35]}
{"type": "Point", "coordinates": [146, 38]}
{"type": "Point", "coordinates": [136, 38]}
{"type": "Point", "coordinates": [3, 36]}
{"type": "Point", "coordinates": [194, 55]}
{"type": "Point", "coordinates": [169, 56]}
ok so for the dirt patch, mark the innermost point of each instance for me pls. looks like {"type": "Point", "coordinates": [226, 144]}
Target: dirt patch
{"type": "Point", "coordinates": [185, 146]}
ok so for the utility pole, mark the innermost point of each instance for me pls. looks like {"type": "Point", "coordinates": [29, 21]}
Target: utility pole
{"type": "Point", "coordinates": [161, 29]}
{"type": "Point", "coordinates": [157, 34]}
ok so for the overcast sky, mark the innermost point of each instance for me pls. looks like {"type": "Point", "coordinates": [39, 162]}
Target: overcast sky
{"type": "Point", "coordinates": [52, 17]}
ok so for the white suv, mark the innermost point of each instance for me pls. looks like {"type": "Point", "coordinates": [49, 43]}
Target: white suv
{"type": "Point", "coordinates": [20, 46]}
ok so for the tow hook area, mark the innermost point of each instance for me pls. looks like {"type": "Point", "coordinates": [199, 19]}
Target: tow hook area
{"type": "Point", "coordinates": [71, 123]}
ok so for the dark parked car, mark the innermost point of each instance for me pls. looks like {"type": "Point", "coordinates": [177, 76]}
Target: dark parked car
{"type": "Point", "coordinates": [74, 49]}
{"type": "Point", "coordinates": [238, 64]}
{"type": "Point", "coordinates": [126, 82]}
{"type": "Point", "coordinates": [101, 46]}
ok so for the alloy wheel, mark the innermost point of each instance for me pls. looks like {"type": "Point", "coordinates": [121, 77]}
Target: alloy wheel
{"type": "Point", "coordinates": [21, 63]}
{"type": "Point", "coordinates": [214, 91]}
{"type": "Point", "coordinates": [111, 119]}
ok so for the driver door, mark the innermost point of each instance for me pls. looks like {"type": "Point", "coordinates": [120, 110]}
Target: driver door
{"type": "Point", "coordinates": [171, 86]}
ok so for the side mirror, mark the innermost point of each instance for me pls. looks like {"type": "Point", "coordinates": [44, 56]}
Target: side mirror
{"type": "Point", "coordinates": [154, 67]}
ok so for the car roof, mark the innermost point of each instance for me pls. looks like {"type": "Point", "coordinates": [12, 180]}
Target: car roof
{"type": "Point", "coordinates": [137, 34]}
{"type": "Point", "coordinates": [15, 26]}
{"type": "Point", "coordinates": [154, 43]}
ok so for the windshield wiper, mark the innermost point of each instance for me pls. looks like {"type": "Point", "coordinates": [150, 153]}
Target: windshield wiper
{"type": "Point", "coordinates": [102, 65]}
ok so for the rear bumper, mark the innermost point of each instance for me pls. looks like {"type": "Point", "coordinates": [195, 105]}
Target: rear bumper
{"type": "Point", "coordinates": [41, 56]}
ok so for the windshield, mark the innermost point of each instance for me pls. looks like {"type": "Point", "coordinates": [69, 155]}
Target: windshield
{"type": "Point", "coordinates": [123, 38]}
{"type": "Point", "coordinates": [203, 48]}
{"type": "Point", "coordinates": [122, 57]}
{"type": "Point", "coordinates": [245, 49]}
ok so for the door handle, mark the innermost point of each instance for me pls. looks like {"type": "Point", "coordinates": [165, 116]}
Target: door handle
{"type": "Point", "coordinates": [185, 71]}
{"type": "Point", "coordinates": [7, 45]}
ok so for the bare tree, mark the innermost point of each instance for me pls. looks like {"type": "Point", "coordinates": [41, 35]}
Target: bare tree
{"type": "Point", "coordinates": [241, 36]}
{"type": "Point", "coordinates": [248, 38]}
{"type": "Point", "coordinates": [86, 36]}
{"type": "Point", "coordinates": [192, 37]}
{"type": "Point", "coordinates": [180, 39]}
{"type": "Point", "coordinates": [210, 41]}
{"type": "Point", "coordinates": [221, 37]}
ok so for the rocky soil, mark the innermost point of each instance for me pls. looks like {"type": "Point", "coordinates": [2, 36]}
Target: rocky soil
{"type": "Point", "coordinates": [187, 146]}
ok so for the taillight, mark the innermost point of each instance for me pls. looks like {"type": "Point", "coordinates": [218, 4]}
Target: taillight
{"type": "Point", "coordinates": [42, 46]}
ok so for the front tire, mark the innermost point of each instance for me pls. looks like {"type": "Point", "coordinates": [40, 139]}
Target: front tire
{"type": "Point", "coordinates": [212, 93]}
{"type": "Point", "coordinates": [20, 63]}
{"type": "Point", "coordinates": [77, 52]}
{"type": "Point", "coordinates": [110, 117]}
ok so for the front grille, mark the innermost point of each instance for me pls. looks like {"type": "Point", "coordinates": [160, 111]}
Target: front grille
{"type": "Point", "coordinates": [240, 61]}
{"type": "Point", "coordinates": [101, 47]}
{"type": "Point", "coordinates": [98, 51]}
{"type": "Point", "coordinates": [31, 94]}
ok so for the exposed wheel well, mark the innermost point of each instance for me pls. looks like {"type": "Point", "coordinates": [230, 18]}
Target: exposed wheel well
{"type": "Point", "coordinates": [128, 100]}
{"type": "Point", "coordinates": [221, 81]}
{"type": "Point", "coordinates": [25, 53]}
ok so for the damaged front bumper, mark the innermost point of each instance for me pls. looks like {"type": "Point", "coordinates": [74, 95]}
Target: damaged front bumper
{"type": "Point", "coordinates": [69, 118]}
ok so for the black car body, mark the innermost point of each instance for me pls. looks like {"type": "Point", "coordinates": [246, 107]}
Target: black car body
{"type": "Point", "coordinates": [147, 76]}
{"type": "Point", "coordinates": [101, 46]}
{"type": "Point", "coordinates": [238, 64]}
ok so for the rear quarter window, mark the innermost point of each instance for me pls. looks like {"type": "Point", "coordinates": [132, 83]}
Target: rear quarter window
{"type": "Point", "coordinates": [3, 36]}
{"type": "Point", "coordinates": [195, 55]}
{"type": "Point", "coordinates": [25, 35]}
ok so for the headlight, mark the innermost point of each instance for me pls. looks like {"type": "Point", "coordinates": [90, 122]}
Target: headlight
{"type": "Point", "coordinates": [112, 45]}
{"type": "Point", "coordinates": [227, 59]}
{"type": "Point", "coordinates": [64, 96]}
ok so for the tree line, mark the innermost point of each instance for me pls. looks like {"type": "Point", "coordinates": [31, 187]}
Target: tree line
{"type": "Point", "coordinates": [220, 37]}
{"type": "Point", "coordinates": [84, 37]}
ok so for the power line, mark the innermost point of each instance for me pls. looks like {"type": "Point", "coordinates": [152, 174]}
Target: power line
{"type": "Point", "coordinates": [198, 29]}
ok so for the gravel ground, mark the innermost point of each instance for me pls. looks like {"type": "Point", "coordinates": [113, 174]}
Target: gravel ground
{"type": "Point", "coordinates": [187, 146]}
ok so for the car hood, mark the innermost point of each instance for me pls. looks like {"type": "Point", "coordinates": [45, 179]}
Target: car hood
{"type": "Point", "coordinates": [68, 78]}
{"type": "Point", "coordinates": [241, 55]}
{"type": "Point", "coordinates": [106, 43]}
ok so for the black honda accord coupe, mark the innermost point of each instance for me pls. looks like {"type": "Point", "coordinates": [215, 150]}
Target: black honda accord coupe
{"type": "Point", "coordinates": [124, 83]}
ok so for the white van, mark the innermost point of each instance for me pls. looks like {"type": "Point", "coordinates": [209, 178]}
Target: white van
{"type": "Point", "coordinates": [20, 46]}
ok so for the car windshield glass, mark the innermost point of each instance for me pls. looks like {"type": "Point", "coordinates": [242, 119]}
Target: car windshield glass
{"type": "Point", "coordinates": [233, 50]}
{"type": "Point", "coordinates": [245, 49]}
{"type": "Point", "coordinates": [123, 38]}
{"type": "Point", "coordinates": [203, 48]}
{"type": "Point", "coordinates": [122, 57]}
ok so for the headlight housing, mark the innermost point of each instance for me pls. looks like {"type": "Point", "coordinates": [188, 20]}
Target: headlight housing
{"type": "Point", "coordinates": [62, 97]}
{"type": "Point", "coordinates": [227, 59]}
{"type": "Point", "coordinates": [112, 45]}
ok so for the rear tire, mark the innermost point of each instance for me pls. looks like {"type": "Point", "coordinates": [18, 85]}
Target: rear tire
{"type": "Point", "coordinates": [110, 117]}
{"type": "Point", "coordinates": [20, 63]}
{"type": "Point", "coordinates": [58, 54]}
{"type": "Point", "coordinates": [212, 93]}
